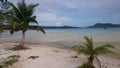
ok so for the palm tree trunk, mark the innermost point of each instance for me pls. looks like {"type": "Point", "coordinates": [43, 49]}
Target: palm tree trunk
{"type": "Point", "coordinates": [23, 39]}
{"type": "Point", "coordinates": [90, 59]}
{"type": "Point", "coordinates": [98, 61]}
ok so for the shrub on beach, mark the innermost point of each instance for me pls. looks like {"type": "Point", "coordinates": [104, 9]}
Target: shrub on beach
{"type": "Point", "coordinates": [92, 52]}
{"type": "Point", "coordinates": [10, 61]}
{"type": "Point", "coordinates": [19, 47]}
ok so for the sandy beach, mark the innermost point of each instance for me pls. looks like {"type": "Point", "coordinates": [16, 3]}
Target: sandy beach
{"type": "Point", "coordinates": [51, 57]}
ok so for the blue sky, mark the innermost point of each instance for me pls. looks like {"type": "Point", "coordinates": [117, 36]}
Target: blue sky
{"type": "Point", "coordinates": [76, 12]}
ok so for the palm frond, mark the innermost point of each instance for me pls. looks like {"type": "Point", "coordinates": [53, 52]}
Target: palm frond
{"type": "Point", "coordinates": [13, 6]}
{"type": "Point", "coordinates": [89, 42]}
{"type": "Point", "coordinates": [16, 12]}
{"type": "Point", "coordinates": [38, 28]}
{"type": "Point", "coordinates": [104, 49]}
{"type": "Point", "coordinates": [22, 10]}
{"type": "Point", "coordinates": [14, 26]}
{"type": "Point", "coordinates": [81, 49]}
{"type": "Point", "coordinates": [41, 29]}
{"type": "Point", "coordinates": [32, 20]}
{"type": "Point", "coordinates": [78, 48]}
{"type": "Point", "coordinates": [30, 9]}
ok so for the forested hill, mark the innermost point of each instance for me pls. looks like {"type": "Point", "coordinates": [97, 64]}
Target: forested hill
{"type": "Point", "coordinates": [104, 25]}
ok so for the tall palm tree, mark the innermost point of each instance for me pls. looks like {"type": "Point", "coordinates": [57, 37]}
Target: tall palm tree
{"type": "Point", "coordinates": [92, 52]}
{"type": "Point", "coordinates": [21, 18]}
{"type": "Point", "coordinates": [2, 19]}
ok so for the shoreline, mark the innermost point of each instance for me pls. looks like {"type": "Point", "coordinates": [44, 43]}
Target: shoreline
{"type": "Point", "coordinates": [65, 44]}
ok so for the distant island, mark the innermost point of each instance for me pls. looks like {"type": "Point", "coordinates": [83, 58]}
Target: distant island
{"type": "Point", "coordinates": [97, 25]}
{"type": "Point", "coordinates": [58, 27]}
{"type": "Point", "coordinates": [104, 25]}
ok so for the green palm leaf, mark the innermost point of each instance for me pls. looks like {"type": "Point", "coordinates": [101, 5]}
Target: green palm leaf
{"type": "Point", "coordinates": [79, 49]}
{"type": "Point", "coordinates": [89, 42]}
{"type": "Point", "coordinates": [104, 49]}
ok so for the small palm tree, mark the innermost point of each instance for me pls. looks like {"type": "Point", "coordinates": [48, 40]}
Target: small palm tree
{"type": "Point", "coordinates": [92, 53]}
{"type": "Point", "coordinates": [21, 18]}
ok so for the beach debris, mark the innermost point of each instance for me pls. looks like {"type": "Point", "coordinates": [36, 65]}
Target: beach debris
{"type": "Point", "coordinates": [118, 64]}
{"type": "Point", "coordinates": [118, 57]}
{"type": "Point", "coordinates": [55, 51]}
{"type": "Point", "coordinates": [104, 66]}
{"type": "Point", "coordinates": [33, 57]}
{"type": "Point", "coordinates": [74, 56]}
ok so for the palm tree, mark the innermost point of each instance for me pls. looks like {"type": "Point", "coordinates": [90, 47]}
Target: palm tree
{"type": "Point", "coordinates": [92, 53]}
{"type": "Point", "coordinates": [2, 19]}
{"type": "Point", "coordinates": [21, 18]}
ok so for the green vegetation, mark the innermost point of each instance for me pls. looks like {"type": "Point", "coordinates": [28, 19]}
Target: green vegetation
{"type": "Point", "coordinates": [21, 18]}
{"type": "Point", "coordinates": [86, 65]}
{"type": "Point", "coordinates": [2, 18]}
{"type": "Point", "coordinates": [10, 61]}
{"type": "Point", "coordinates": [19, 47]}
{"type": "Point", "coordinates": [92, 53]}
{"type": "Point", "coordinates": [4, 12]}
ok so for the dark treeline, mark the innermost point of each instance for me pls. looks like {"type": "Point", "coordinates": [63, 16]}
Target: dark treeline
{"type": "Point", "coordinates": [32, 27]}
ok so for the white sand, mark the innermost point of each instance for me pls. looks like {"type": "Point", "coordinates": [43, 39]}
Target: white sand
{"type": "Point", "coordinates": [51, 57]}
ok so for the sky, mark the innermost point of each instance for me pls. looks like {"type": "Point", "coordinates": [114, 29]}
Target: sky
{"type": "Point", "coordinates": [79, 13]}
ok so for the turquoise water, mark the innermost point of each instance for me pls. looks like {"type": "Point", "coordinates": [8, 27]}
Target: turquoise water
{"type": "Point", "coordinates": [67, 37]}
{"type": "Point", "coordinates": [73, 35]}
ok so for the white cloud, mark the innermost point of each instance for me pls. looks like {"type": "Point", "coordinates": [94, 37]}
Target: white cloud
{"type": "Point", "coordinates": [46, 17]}
{"type": "Point", "coordinates": [70, 4]}
{"type": "Point", "coordinates": [50, 17]}
{"type": "Point", "coordinates": [58, 24]}
{"type": "Point", "coordinates": [64, 19]}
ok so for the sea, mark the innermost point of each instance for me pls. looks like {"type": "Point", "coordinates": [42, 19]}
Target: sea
{"type": "Point", "coordinates": [66, 38]}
